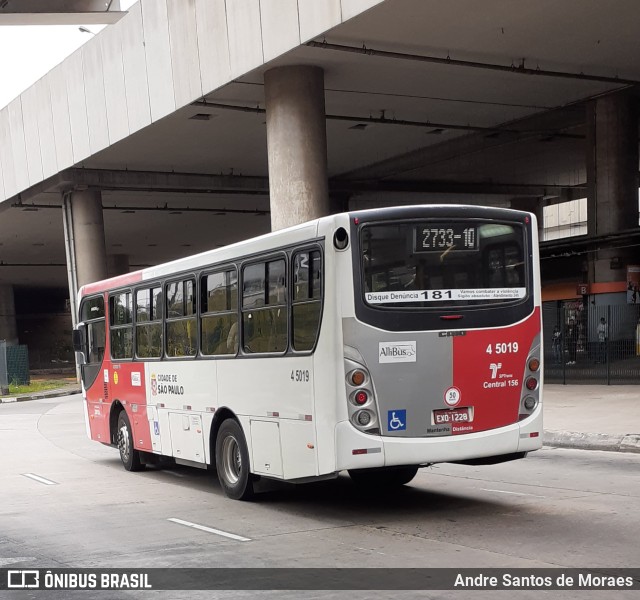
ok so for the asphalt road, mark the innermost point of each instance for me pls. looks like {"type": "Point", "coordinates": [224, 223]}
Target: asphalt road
{"type": "Point", "coordinates": [557, 508]}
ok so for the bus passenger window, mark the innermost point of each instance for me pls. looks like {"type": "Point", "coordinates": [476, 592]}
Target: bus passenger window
{"type": "Point", "coordinates": [264, 307]}
{"type": "Point", "coordinates": [96, 337]}
{"type": "Point", "coordinates": [149, 323]}
{"type": "Point", "coordinates": [219, 308]}
{"type": "Point", "coordinates": [307, 294]}
{"type": "Point", "coordinates": [181, 325]}
{"type": "Point", "coordinates": [121, 325]}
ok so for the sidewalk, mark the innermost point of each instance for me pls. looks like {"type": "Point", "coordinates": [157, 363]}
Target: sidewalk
{"type": "Point", "coordinates": [592, 417]}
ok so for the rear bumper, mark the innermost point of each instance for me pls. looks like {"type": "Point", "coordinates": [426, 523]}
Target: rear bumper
{"type": "Point", "coordinates": [356, 450]}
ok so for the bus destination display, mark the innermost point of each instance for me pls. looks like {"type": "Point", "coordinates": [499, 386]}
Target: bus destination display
{"type": "Point", "coordinates": [445, 236]}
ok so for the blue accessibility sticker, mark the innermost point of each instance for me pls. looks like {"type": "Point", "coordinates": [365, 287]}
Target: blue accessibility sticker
{"type": "Point", "coordinates": [156, 428]}
{"type": "Point", "coordinates": [397, 420]}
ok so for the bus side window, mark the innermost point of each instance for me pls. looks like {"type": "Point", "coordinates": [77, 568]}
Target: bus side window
{"type": "Point", "coordinates": [96, 337]}
{"type": "Point", "coordinates": [219, 308]}
{"type": "Point", "coordinates": [181, 336]}
{"type": "Point", "coordinates": [149, 323]}
{"type": "Point", "coordinates": [121, 325]}
{"type": "Point", "coordinates": [264, 307]}
{"type": "Point", "coordinates": [307, 299]}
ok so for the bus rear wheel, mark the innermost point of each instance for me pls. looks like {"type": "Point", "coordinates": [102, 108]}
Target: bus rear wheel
{"type": "Point", "coordinates": [129, 456]}
{"type": "Point", "coordinates": [232, 461]}
{"type": "Point", "coordinates": [386, 477]}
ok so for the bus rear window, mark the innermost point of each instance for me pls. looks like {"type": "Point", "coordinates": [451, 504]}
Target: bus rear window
{"type": "Point", "coordinates": [438, 263]}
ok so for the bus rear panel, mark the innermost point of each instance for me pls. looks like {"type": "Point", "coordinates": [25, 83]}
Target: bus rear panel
{"type": "Point", "coordinates": [443, 350]}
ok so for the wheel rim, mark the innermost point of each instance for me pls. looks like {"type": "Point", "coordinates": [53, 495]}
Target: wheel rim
{"type": "Point", "coordinates": [231, 460]}
{"type": "Point", "coordinates": [123, 442]}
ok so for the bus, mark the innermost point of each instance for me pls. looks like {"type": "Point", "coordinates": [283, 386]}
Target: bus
{"type": "Point", "coordinates": [374, 342]}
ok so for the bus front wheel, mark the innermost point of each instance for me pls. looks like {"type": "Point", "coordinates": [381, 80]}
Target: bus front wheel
{"type": "Point", "coordinates": [128, 454]}
{"type": "Point", "coordinates": [387, 477]}
{"type": "Point", "coordinates": [232, 461]}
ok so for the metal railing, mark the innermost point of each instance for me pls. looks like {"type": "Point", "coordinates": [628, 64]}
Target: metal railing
{"type": "Point", "coordinates": [591, 344]}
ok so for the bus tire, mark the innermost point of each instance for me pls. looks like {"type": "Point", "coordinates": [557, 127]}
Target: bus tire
{"type": "Point", "coordinates": [232, 461]}
{"type": "Point", "coordinates": [385, 477]}
{"type": "Point", "coordinates": [129, 456]}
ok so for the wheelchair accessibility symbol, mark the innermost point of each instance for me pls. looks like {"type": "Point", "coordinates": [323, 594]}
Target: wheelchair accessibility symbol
{"type": "Point", "coordinates": [397, 420]}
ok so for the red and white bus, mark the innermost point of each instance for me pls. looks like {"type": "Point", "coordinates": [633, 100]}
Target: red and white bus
{"type": "Point", "coordinates": [375, 342]}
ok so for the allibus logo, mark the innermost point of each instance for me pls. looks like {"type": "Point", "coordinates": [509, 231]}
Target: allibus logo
{"type": "Point", "coordinates": [389, 352]}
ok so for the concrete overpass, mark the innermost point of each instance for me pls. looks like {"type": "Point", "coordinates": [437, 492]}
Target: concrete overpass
{"type": "Point", "coordinates": [164, 115]}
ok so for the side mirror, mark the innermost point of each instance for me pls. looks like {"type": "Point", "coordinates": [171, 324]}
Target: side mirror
{"type": "Point", "coordinates": [79, 337]}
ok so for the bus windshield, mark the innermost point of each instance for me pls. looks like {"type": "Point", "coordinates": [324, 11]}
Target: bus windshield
{"type": "Point", "coordinates": [437, 263]}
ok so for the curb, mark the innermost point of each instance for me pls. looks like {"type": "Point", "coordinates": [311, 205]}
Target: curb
{"type": "Point", "coordinates": [629, 442]}
{"type": "Point", "coordinates": [42, 395]}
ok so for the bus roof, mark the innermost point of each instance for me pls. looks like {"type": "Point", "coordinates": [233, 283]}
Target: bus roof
{"type": "Point", "coordinates": [291, 235]}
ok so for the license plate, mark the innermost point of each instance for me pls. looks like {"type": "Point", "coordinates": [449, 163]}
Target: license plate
{"type": "Point", "coordinates": [454, 415]}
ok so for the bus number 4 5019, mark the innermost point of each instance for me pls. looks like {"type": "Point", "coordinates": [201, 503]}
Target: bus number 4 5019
{"type": "Point", "coordinates": [300, 375]}
{"type": "Point", "coordinates": [503, 348]}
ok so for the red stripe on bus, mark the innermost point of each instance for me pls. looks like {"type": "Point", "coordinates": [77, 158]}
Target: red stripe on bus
{"type": "Point", "coordinates": [113, 283]}
{"type": "Point", "coordinates": [488, 370]}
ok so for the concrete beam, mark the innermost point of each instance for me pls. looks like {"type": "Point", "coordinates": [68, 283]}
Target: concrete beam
{"type": "Point", "coordinates": [144, 181]}
{"type": "Point", "coordinates": [60, 12]}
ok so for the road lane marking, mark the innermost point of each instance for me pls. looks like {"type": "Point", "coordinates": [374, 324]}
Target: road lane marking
{"type": "Point", "coordinates": [233, 536]}
{"type": "Point", "coordinates": [39, 479]}
{"type": "Point", "coordinates": [511, 493]}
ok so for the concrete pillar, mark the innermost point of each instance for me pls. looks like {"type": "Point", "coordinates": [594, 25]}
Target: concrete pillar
{"type": "Point", "coordinates": [612, 177]}
{"type": "Point", "coordinates": [296, 145]}
{"type": "Point", "coordinates": [8, 323]}
{"type": "Point", "coordinates": [117, 264]}
{"type": "Point", "coordinates": [84, 241]}
{"type": "Point", "coordinates": [88, 233]}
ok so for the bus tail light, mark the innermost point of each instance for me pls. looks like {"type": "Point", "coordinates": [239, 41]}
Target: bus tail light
{"type": "Point", "coordinates": [363, 418]}
{"type": "Point", "coordinates": [357, 377]}
{"type": "Point", "coordinates": [530, 398]}
{"type": "Point", "coordinates": [360, 393]}
{"type": "Point", "coordinates": [361, 397]}
{"type": "Point", "coordinates": [534, 364]}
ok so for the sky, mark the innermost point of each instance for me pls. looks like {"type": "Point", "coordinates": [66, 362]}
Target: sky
{"type": "Point", "coordinates": [27, 53]}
